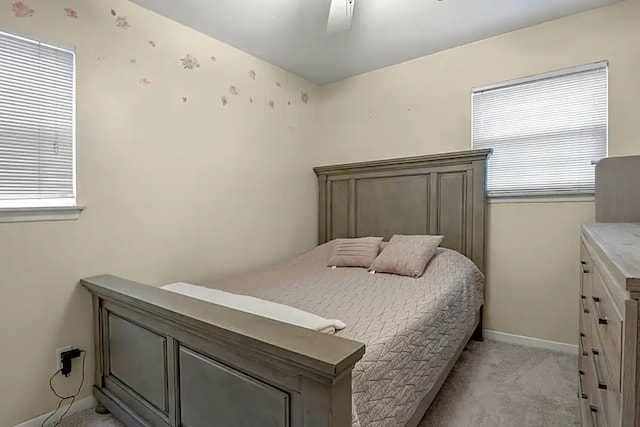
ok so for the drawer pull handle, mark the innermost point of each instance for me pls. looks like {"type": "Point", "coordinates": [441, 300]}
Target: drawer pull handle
{"type": "Point", "coordinates": [596, 362]}
{"type": "Point", "coordinates": [583, 265]}
{"type": "Point", "coordinates": [585, 310]}
{"type": "Point", "coordinates": [582, 394]}
{"type": "Point", "coordinates": [584, 352]}
{"type": "Point", "coordinates": [594, 418]}
{"type": "Point", "coordinates": [602, 320]}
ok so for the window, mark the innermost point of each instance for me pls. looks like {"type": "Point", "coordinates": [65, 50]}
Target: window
{"type": "Point", "coordinates": [546, 132]}
{"type": "Point", "coordinates": [37, 126]}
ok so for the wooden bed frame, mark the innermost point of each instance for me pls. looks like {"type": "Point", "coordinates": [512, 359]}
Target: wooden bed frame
{"type": "Point", "coordinates": [164, 359]}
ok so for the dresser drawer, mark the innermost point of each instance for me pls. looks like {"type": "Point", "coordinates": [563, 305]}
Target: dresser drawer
{"type": "Point", "coordinates": [585, 409]}
{"type": "Point", "coordinates": [595, 417]}
{"type": "Point", "coordinates": [586, 266]}
{"type": "Point", "coordinates": [582, 391]}
{"type": "Point", "coordinates": [611, 409]}
{"type": "Point", "coordinates": [607, 327]}
{"type": "Point", "coordinates": [593, 414]}
{"type": "Point", "coordinates": [608, 395]}
{"type": "Point", "coordinates": [585, 318]}
{"type": "Point", "coordinates": [590, 388]}
{"type": "Point", "coordinates": [585, 337]}
{"type": "Point", "coordinates": [585, 413]}
{"type": "Point", "coordinates": [583, 350]}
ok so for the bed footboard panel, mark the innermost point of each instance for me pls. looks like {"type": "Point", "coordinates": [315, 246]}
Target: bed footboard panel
{"type": "Point", "coordinates": [243, 400]}
{"type": "Point", "coordinates": [138, 360]}
{"type": "Point", "coordinates": [164, 359]}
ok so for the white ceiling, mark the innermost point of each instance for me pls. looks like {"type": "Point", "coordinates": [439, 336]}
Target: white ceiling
{"type": "Point", "coordinates": [292, 33]}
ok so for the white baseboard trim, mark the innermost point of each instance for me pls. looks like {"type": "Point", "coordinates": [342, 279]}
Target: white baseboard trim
{"type": "Point", "coordinates": [531, 342]}
{"type": "Point", "coordinates": [80, 405]}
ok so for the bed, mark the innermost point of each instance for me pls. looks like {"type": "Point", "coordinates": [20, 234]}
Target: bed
{"type": "Point", "coordinates": [165, 359]}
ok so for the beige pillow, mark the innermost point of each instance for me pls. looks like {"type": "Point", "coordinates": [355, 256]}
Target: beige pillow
{"type": "Point", "coordinates": [406, 255]}
{"type": "Point", "coordinates": [355, 252]}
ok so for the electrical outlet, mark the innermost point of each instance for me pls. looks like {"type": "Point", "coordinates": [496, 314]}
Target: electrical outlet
{"type": "Point", "coordinates": [59, 356]}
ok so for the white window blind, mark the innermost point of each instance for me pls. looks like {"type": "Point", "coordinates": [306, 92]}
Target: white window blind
{"type": "Point", "coordinates": [37, 124]}
{"type": "Point", "coordinates": [545, 132]}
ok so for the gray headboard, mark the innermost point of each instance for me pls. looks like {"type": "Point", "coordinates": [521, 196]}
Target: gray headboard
{"type": "Point", "coordinates": [435, 194]}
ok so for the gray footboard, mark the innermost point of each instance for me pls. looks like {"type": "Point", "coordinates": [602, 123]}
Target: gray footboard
{"type": "Point", "coordinates": [164, 359]}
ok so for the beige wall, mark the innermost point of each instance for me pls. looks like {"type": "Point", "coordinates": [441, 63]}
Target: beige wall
{"type": "Point", "coordinates": [174, 190]}
{"type": "Point", "coordinates": [423, 106]}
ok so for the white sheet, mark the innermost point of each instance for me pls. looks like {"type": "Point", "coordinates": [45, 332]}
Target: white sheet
{"type": "Point", "coordinates": [257, 306]}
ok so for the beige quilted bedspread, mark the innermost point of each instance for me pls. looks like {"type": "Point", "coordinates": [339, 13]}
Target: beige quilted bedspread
{"type": "Point", "coordinates": [411, 327]}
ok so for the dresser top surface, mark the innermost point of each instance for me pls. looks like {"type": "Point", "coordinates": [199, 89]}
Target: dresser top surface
{"type": "Point", "coordinates": [620, 243]}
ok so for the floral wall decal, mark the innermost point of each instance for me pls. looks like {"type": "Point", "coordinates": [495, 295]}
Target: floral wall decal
{"type": "Point", "coordinates": [121, 22]}
{"type": "Point", "coordinates": [71, 13]}
{"type": "Point", "coordinates": [189, 62]}
{"type": "Point", "coordinates": [21, 10]}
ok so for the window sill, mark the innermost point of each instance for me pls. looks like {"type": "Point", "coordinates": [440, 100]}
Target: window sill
{"type": "Point", "coordinates": [53, 213]}
{"type": "Point", "coordinates": [565, 198]}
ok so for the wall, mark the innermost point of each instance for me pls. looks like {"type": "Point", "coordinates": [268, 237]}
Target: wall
{"type": "Point", "coordinates": [181, 187]}
{"type": "Point", "coordinates": [177, 185]}
{"type": "Point", "coordinates": [423, 106]}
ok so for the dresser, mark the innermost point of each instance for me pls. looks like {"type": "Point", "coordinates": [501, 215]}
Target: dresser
{"type": "Point", "coordinates": [609, 361]}
{"type": "Point", "coordinates": [609, 334]}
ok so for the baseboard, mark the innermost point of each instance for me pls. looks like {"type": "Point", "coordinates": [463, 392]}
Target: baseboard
{"type": "Point", "coordinates": [531, 342]}
{"type": "Point", "coordinates": [80, 405]}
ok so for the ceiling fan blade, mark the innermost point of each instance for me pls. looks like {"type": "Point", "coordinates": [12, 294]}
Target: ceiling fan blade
{"type": "Point", "coordinates": [340, 15]}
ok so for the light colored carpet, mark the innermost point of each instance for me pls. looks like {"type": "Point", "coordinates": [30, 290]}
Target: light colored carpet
{"type": "Point", "coordinates": [497, 384]}
{"type": "Point", "coordinates": [493, 384]}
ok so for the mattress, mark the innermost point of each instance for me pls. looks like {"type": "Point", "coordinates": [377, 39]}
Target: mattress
{"type": "Point", "coordinates": [411, 327]}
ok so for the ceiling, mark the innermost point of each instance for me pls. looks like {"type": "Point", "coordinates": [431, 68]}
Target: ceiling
{"type": "Point", "coordinates": [292, 33]}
